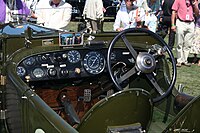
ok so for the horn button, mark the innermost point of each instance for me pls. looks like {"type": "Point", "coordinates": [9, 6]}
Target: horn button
{"type": "Point", "coordinates": [145, 63]}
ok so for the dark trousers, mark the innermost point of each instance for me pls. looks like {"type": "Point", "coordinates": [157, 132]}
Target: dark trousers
{"type": "Point", "coordinates": [166, 27]}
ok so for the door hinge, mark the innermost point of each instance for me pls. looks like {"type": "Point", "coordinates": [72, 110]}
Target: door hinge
{"type": "Point", "coordinates": [2, 114]}
{"type": "Point", "coordinates": [3, 80]}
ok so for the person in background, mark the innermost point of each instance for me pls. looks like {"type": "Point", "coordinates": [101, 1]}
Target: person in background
{"type": "Point", "coordinates": [54, 14]}
{"type": "Point", "coordinates": [151, 21]}
{"type": "Point", "coordinates": [128, 16]}
{"type": "Point", "coordinates": [195, 49]}
{"type": "Point", "coordinates": [143, 4]}
{"type": "Point", "coordinates": [182, 21]}
{"type": "Point", "coordinates": [165, 21]}
{"type": "Point", "coordinates": [32, 4]}
{"type": "Point", "coordinates": [13, 10]}
{"type": "Point", "coordinates": [93, 14]}
{"type": "Point", "coordinates": [155, 6]}
{"type": "Point", "coordinates": [151, 18]}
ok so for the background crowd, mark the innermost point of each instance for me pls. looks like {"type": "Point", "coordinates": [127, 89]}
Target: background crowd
{"type": "Point", "coordinates": [177, 18]}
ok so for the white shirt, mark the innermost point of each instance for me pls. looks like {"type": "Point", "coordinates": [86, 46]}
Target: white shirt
{"type": "Point", "coordinates": [127, 19]}
{"type": "Point", "coordinates": [139, 3]}
{"type": "Point", "coordinates": [93, 9]}
{"type": "Point", "coordinates": [143, 4]}
{"type": "Point", "coordinates": [52, 16]}
{"type": "Point", "coordinates": [151, 22]}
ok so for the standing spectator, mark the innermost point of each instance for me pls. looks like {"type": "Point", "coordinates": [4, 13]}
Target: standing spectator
{"type": "Point", "coordinates": [182, 16]}
{"type": "Point", "coordinates": [196, 42]}
{"type": "Point", "coordinates": [54, 14]}
{"type": "Point", "coordinates": [129, 16]}
{"type": "Point", "coordinates": [151, 19]}
{"type": "Point", "coordinates": [143, 4]}
{"type": "Point", "coordinates": [93, 13]}
{"type": "Point", "coordinates": [13, 10]}
{"type": "Point", "coordinates": [165, 21]}
{"type": "Point", "coordinates": [155, 6]}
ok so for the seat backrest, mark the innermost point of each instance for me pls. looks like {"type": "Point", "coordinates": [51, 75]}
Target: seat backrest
{"type": "Point", "coordinates": [126, 107]}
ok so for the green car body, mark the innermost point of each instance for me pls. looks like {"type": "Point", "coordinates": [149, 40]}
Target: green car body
{"type": "Point", "coordinates": [37, 72]}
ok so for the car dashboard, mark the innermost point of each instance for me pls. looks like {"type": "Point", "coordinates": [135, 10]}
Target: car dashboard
{"type": "Point", "coordinates": [69, 64]}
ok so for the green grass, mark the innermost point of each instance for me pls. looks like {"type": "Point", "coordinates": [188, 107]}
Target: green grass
{"type": "Point", "coordinates": [187, 76]}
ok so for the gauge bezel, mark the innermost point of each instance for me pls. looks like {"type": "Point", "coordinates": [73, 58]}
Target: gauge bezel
{"type": "Point", "coordinates": [75, 53]}
{"type": "Point", "coordinates": [19, 74]}
{"type": "Point", "coordinates": [95, 55]}
{"type": "Point", "coordinates": [29, 59]}
{"type": "Point", "coordinates": [43, 75]}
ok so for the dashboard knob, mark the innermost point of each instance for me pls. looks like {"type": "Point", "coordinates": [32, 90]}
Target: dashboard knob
{"type": "Point", "coordinates": [64, 56]}
{"type": "Point", "coordinates": [58, 57]}
{"type": "Point", "coordinates": [52, 72]}
{"type": "Point", "coordinates": [77, 70]}
{"type": "Point", "coordinates": [44, 57]}
{"type": "Point", "coordinates": [64, 72]}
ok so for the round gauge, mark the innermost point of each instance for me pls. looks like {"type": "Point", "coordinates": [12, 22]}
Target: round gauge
{"type": "Point", "coordinates": [44, 57]}
{"type": "Point", "coordinates": [29, 61]}
{"type": "Point", "coordinates": [38, 72]}
{"type": "Point", "coordinates": [94, 62]}
{"type": "Point", "coordinates": [73, 56]}
{"type": "Point", "coordinates": [21, 71]}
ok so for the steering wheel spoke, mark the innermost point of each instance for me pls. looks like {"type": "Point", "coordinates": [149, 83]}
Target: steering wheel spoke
{"type": "Point", "coordinates": [154, 83]}
{"type": "Point", "coordinates": [127, 75]}
{"type": "Point", "coordinates": [129, 46]}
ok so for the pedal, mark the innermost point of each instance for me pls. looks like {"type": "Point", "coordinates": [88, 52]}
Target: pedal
{"type": "Point", "coordinates": [87, 95]}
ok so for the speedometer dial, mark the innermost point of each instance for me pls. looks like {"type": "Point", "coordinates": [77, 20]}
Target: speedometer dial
{"type": "Point", "coordinates": [73, 56]}
{"type": "Point", "coordinates": [94, 62]}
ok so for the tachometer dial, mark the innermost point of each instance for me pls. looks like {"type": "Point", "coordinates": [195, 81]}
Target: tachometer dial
{"type": "Point", "coordinates": [73, 56]}
{"type": "Point", "coordinates": [94, 62]}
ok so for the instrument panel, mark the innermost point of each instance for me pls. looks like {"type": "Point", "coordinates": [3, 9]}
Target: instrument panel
{"type": "Point", "coordinates": [74, 63]}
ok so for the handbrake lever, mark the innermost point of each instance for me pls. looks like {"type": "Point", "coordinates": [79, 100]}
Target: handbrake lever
{"type": "Point", "coordinates": [69, 110]}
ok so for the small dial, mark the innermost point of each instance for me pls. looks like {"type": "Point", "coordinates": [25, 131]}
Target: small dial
{"type": "Point", "coordinates": [73, 56]}
{"type": "Point", "coordinates": [44, 57]}
{"type": "Point", "coordinates": [29, 61]}
{"type": "Point", "coordinates": [52, 72]}
{"type": "Point", "coordinates": [38, 72]}
{"type": "Point", "coordinates": [21, 71]}
{"type": "Point", "coordinates": [94, 62]}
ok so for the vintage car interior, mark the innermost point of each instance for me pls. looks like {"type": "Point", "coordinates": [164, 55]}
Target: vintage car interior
{"type": "Point", "coordinates": [64, 81]}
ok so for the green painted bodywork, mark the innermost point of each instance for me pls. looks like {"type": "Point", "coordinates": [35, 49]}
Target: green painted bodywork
{"type": "Point", "coordinates": [127, 107]}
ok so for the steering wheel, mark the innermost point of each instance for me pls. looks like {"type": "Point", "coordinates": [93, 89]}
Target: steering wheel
{"type": "Point", "coordinates": [145, 62]}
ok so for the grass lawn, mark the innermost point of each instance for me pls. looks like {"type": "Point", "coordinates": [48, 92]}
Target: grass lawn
{"type": "Point", "coordinates": [187, 76]}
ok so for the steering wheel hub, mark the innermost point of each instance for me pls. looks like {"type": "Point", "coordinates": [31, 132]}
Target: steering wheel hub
{"type": "Point", "coordinates": [145, 62]}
